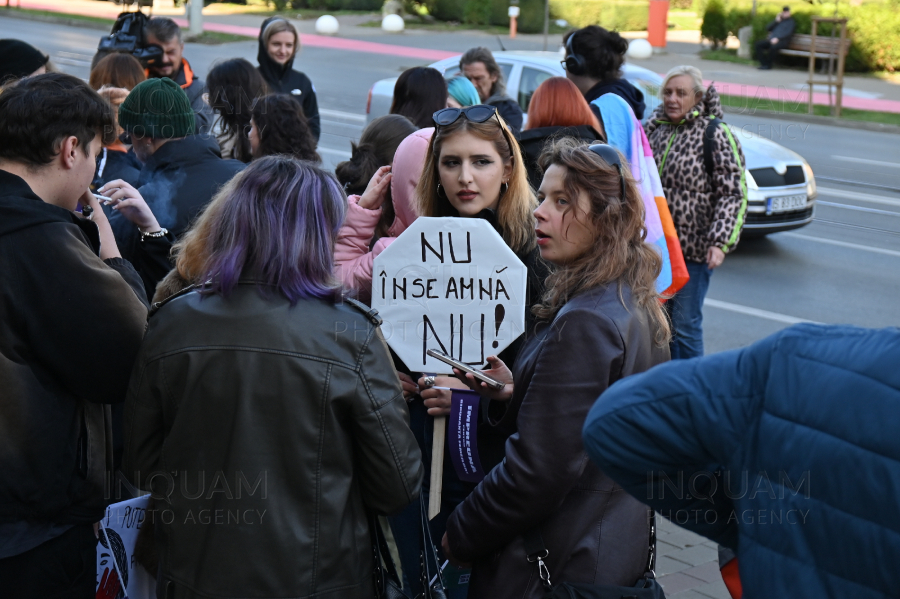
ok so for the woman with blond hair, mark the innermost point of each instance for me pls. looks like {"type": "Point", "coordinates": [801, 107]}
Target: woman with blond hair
{"type": "Point", "coordinates": [279, 44]}
{"type": "Point", "coordinates": [701, 168]}
{"type": "Point", "coordinates": [603, 321]}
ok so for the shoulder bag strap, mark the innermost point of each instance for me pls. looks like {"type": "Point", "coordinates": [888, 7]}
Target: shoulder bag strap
{"type": "Point", "coordinates": [709, 144]}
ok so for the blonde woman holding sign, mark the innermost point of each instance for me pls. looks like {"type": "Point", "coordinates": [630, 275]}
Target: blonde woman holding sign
{"type": "Point", "coordinates": [601, 320]}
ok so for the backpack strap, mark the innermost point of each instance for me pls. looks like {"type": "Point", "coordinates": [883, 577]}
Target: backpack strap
{"type": "Point", "coordinates": [709, 143]}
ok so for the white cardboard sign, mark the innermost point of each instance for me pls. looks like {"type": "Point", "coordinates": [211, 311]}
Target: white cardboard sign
{"type": "Point", "coordinates": [118, 573]}
{"type": "Point", "coordinates": [450, 284]}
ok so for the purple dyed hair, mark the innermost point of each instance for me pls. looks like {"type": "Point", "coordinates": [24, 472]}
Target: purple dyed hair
{"type": "Point", "coordinates": [274, 223]}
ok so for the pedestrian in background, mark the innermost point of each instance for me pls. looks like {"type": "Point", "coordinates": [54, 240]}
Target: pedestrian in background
{"type": "Point", "coordinates": [707, 199]}
{"type": "Point", "coordinates": [71, 321]}
{"type": "Point", "coordinates": [376, 148]}
{"type": "Point", "coordinates": [603, 322]}
{"type": "Point", "coordinates": [279, 126]}
{"type": "Point", "coordinates": [461, 93]}
{"type": "Point", "coordinates": [419, 93]}
{"type": "Point", "coordinates": [325, 457]}
{"type": "Point", "coordinates": [165, 33]}
{"type": "Point", "coordinates": [19, 59]}
{"type": "Point", "coordinates": [479, 67]}
{"type": "Point", "coordinates": [557, 109]}
{"type": "Point", "coordinates": [593, 62]}
{"type": "Point", "coordinates": [235, 87]}
{"type": "Point", "coordinates": [789, 448]}
{"type": "Point", "coordinates": [279, 45]}
{"type": "Point", "coordinates": [778, 37]}
{"type": "Point", "coordinates": [117, 70]}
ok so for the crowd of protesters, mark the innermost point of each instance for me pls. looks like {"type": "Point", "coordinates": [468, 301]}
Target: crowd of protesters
{"type": "Point", "coordinates": [207, 201]}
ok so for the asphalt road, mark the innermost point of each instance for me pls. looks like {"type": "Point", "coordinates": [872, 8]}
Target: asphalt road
{"type": "Point", "coordinates": [843, 268]}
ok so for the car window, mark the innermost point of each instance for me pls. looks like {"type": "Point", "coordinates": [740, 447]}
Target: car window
{"type": "Point", "coordinates": [528, 82]}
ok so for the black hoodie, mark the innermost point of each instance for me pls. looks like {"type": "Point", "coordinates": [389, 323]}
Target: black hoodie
{"type": "Point", "coordinates": [282, 79]}
{"type": "Point", "coordinates": [70, 328]}
{"type": "Point", "coordinates": [622, 88]}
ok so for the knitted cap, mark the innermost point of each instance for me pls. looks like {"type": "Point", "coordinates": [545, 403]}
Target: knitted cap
{"type": "Point", "coordinates": [158, 109]}
{"type": "Point", "coordinates": [18, 59]}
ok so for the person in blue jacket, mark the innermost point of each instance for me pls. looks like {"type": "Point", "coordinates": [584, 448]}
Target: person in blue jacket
{"type": "Point", "coordinates": [786, 452]}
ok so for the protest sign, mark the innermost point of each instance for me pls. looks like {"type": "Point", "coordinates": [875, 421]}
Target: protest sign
{"type": "Point", "coordinates": [119, 576]}
{"type": "Point", "coordinates": [450, 284]}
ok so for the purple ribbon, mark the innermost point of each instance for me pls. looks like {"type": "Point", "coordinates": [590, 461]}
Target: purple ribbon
{"type": "Point", "coordinates": [463, 428]}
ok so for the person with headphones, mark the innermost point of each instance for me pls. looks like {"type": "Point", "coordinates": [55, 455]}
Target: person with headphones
{"type": "Point", "coordinates": [594, 58]}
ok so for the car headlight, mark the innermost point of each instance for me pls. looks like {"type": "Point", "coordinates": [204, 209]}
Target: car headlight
{"type": "Point", "coordinates": [810, 180]}
{"type": "Point", "coordinates": [751, 182]}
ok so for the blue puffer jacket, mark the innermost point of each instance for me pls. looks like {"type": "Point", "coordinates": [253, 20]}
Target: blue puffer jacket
{"type": "Point", "coordinates": [787, 451]}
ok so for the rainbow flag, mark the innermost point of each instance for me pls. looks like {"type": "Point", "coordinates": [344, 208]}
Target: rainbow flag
{"type": "Point", "coordinates": [624, 133]}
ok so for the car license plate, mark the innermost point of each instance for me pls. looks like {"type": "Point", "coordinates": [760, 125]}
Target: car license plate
{"type": "Point", "coordinates": [785, 203]}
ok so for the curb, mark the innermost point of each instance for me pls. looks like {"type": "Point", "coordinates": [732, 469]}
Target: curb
{"type": "Point", "coordinates": [57, 20]}
{"type": "Point", "coordinates": [817, 120]}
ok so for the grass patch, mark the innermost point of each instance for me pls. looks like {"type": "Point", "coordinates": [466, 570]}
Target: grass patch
{"type": "Point", "coordinates": [725, 55]}
{"type": "Point", "coordinates": [215, 37]}
{"type": "Point", "coordinates": [749, 105]}
{"type": "Point", "coordinates": [684, 19]}
{"type": "Point", "coordinates": [265, 9]}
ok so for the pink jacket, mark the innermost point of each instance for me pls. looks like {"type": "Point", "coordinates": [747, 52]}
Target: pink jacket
{"type": "Point", "coordinates": [352, 257]}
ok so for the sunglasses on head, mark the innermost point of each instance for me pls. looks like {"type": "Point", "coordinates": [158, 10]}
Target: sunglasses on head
{"type": "Point", "coordinates": [480, 113]}
{"type": "Point", "coordinates": [610, 157]}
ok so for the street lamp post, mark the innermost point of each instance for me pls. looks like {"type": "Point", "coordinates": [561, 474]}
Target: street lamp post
{"type": "Point", "coordinates": [546, 22]}
{"type": "Point", "coordinates": [195, 16]}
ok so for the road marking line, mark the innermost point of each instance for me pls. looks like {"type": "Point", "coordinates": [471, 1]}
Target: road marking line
{"type": "Point", "coordinates": [72, 63]}
{"type": "Point", "coordinates": [867, 161]}
{"type": "Point", "coordinates": [333, 152]}
{"type": "Point", "coordinates": [857, 208]}
{"type": "Point", "coordinates": [348, 116]}
{"type": "Point", "coordinates": [843, 244]}
{"type": "Point", "coordinates": [861, 197]}
{"type": "Point", "coordinates": [755, 312]}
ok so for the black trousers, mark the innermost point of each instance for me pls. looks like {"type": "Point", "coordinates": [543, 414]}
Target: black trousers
{"type": "Point", "coordinates": [61, 568]}
{"type": "Point", "coordinates": [766, 52]}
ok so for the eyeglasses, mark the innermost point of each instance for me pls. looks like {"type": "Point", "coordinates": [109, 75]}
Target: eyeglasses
{"type": "Point", "coordinates": [610, 157]}
{"type": "Point", "coordinates": [480, 113]}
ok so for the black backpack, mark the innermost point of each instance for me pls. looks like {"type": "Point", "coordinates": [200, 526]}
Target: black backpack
{"type": "Point", "coordinates": [709, 144]}
{"type": "Point", "coordinates": [129, 36]}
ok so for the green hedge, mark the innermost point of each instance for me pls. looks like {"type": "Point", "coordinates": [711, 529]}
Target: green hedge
{"type": "Point", "coordinates": [873, 28]}
{"type": "Point", "coordinates": [622, 15]}
{"type": "Point", "coordinates": [373, 5]}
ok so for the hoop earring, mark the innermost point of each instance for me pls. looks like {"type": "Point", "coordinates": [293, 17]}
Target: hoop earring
{"type": "Point", "coordinates": [504, 187]}
{"type": "Point", "coordinates": [439, 190]}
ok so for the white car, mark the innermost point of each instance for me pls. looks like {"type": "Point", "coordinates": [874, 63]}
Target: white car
{"type": "Point", "coordinates": [781, 185]}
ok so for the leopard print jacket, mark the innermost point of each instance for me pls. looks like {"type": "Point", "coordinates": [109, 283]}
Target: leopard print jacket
{"type": "Point", "coordinates": [708, 209]}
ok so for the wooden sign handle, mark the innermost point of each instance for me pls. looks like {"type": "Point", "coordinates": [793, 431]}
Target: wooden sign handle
{"type": "Point", "coordinates": [437, 466]}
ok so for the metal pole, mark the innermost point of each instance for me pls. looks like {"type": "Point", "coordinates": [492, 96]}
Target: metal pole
{"type": "Point", "coordinates": [546, 22]}
{"type": "Point", "coordinates": [196, 17]}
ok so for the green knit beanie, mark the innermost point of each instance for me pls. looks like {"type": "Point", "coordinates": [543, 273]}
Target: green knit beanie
{"type": "Point", "coordinates": [158, 109]}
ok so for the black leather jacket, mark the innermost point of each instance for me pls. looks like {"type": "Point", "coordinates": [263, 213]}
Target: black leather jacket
{"type": "Point", "coordinates": [273, 430]}
{"type": "Point", "coordinates": [546, 479]}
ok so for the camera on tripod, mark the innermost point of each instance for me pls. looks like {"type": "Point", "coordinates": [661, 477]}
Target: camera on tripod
{"type": "Point", "coordinates": [129, 36]}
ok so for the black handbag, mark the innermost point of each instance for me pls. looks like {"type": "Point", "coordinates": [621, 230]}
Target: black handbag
{"type": "Point", "coordinates": [387, 582]}
{"type": "Point", "coordinates": [647, 586]}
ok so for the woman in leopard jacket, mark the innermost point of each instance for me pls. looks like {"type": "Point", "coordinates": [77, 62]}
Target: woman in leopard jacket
{"type": "Point", "coordinates": [705, 188]}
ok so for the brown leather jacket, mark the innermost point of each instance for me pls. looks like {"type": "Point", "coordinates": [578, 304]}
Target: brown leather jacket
{"type": "Point", "coordinates": [271, 430]}
{"type": "Point", "coordinates": [595, 532]}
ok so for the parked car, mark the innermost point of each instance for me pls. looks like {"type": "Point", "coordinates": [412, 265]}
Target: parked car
{"type": "Point", "coordinates": [781, 184]}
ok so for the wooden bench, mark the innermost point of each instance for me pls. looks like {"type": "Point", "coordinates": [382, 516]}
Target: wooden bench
{"type": "Point", "coordinates": [801, 44]}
